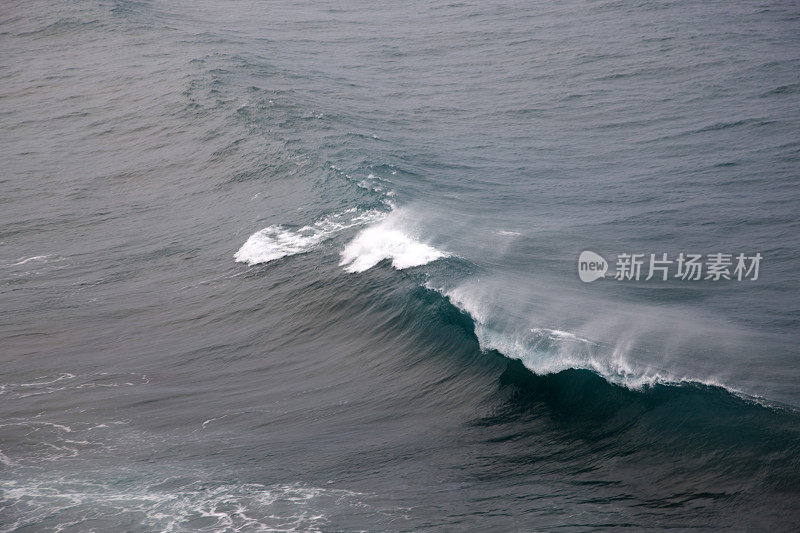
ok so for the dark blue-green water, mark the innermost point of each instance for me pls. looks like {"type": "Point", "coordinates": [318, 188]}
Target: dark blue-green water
{"type": "Point", "coordinates": [312, 266]}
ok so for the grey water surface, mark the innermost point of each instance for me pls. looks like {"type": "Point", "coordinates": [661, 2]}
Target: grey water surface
{"type": "Point", "coordinates": [312, 266]}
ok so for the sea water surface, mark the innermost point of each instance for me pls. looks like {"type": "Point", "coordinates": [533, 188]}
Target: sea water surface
{"type": "Point", "coordinates": [312, 266]}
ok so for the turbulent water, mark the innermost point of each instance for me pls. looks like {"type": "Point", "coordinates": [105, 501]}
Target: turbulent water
{"type": "Point", "coordinates": [313, 265]}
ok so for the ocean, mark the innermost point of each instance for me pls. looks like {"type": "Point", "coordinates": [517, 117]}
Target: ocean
{"type": "Point", "coordinates": [313, 266]}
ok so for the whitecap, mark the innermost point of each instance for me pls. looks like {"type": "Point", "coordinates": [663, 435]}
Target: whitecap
{"type": "Point", "coordinates": [384, 241]}
{"type": "Point", "coordinates": [274, 242]}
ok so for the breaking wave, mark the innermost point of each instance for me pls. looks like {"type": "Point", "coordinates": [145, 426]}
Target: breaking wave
{"type": "Point", "coordinates": [387, 240]}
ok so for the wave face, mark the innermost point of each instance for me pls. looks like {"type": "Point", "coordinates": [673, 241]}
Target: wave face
{"type": "Point", "coordinates": [296, 266]}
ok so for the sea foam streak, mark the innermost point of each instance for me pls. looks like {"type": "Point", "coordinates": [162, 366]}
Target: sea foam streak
{"type": "Point", "coordinates": [274, 242]}
{"type": "Point", "coordinates": [217, 506]}
{"type": "Point", "coordinates": [386, 240]}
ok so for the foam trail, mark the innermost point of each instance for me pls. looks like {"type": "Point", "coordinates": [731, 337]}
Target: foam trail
{"type": "Point", "coordinates": [274, 242]}
{"type": "Point", "coordinates": [386, 241]}
{"type": "Point", "coordinates": [25, 261]}
{"type": "Point", "coordinates": [34, 258]}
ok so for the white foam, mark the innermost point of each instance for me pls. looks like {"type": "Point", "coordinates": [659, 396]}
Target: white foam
{"type": "Point", "coordinates": [36, 261]}
{"type": "Point", "coordinates": [385, 241]}
{"type": "Point", "coordinates": [77, 502]}
{"type": "Point", "coordinates": [555, 333]}
{"type": "Point", "coordinates": [29, 259]}
{"type": "Point", "coordinates": [274, 242]}
{"type": "Point", "coordinates": [558, 334]}
{"type": "Point", "coordinates": [68, 382]}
